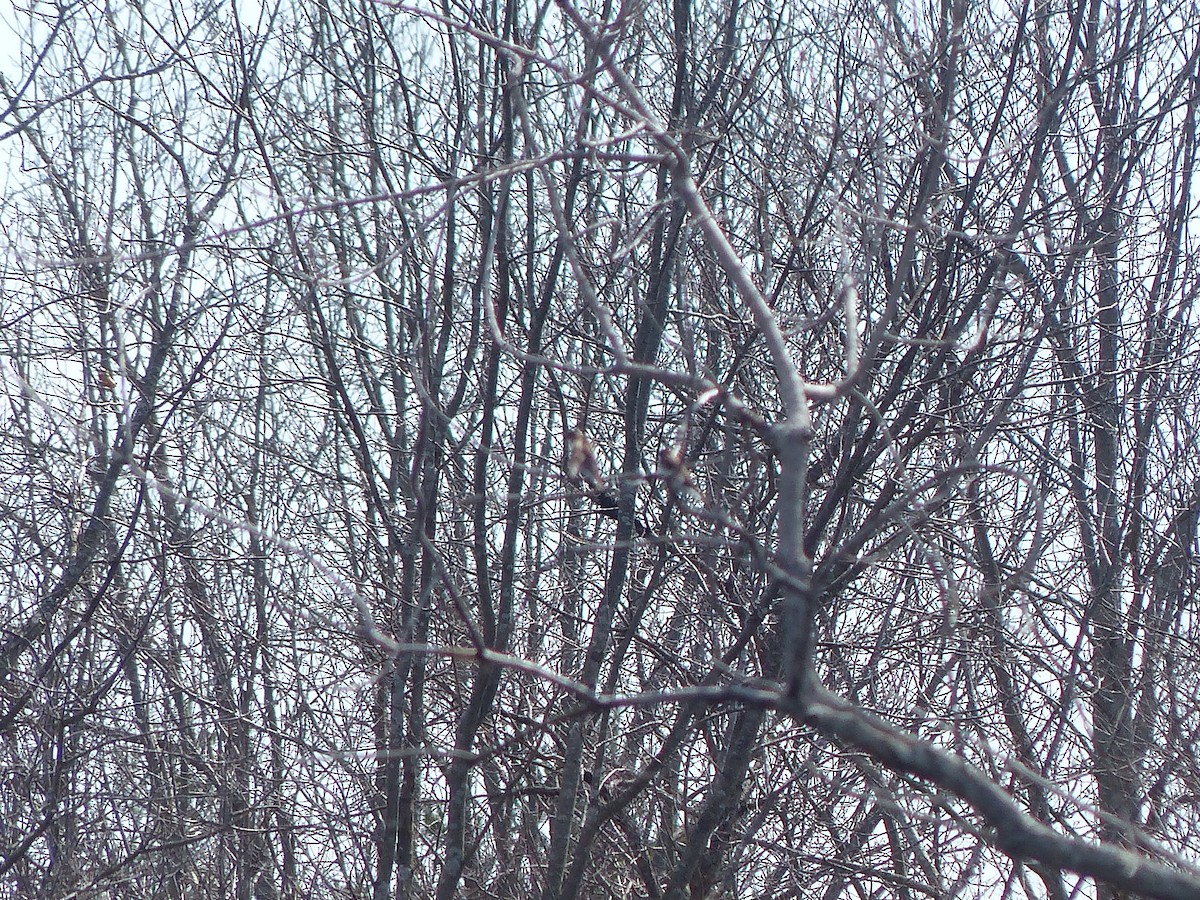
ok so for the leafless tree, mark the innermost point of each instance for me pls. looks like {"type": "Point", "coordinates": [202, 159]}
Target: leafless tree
{"type": "Point", "coordinates": [583, 451]}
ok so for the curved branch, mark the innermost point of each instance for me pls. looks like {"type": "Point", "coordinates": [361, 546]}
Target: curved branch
{"type": "Point", "coordinates": [1013, 831]}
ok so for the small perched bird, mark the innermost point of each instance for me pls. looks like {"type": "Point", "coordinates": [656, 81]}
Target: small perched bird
{"type": "Point", "coordinates": [106, 380]}
{"type": "Point", "coordinates": [671, 460]}
{"type": "Point", "coordinates": [582, 465]}
{"type": "Point", "coordinates": [581, 462]}
{"type": "Point", "coordinates": [673, 465]}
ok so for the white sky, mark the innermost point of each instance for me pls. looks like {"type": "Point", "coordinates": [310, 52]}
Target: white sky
{"type": "Point", "coordinates": [9, 44]}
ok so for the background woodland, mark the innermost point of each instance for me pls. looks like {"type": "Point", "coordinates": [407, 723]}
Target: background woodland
{"type": "Point", "coordinates": [726, 449]}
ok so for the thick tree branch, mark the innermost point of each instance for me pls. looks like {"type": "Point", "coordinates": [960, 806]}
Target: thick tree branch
{"type": "Point", "coordinates": [1013, 831]}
